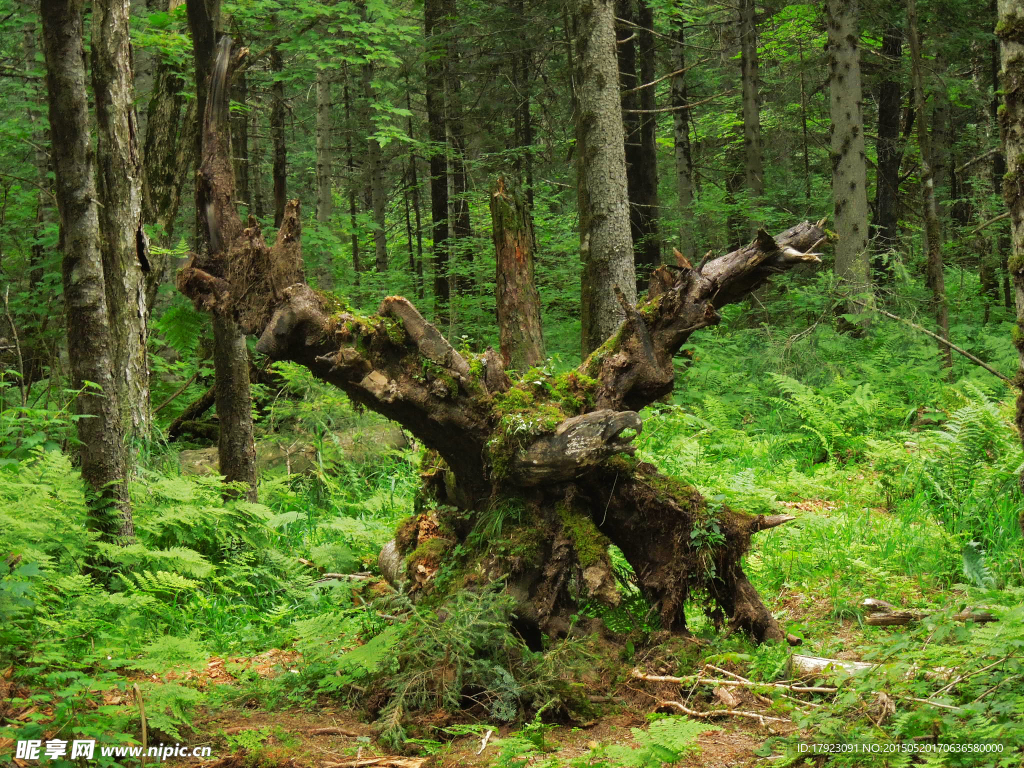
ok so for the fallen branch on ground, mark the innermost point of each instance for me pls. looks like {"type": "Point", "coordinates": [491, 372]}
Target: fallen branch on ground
{"type": "Point", "coordinates": [721, 713]}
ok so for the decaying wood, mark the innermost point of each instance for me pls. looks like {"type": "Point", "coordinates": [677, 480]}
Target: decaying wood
{"type": "Point", "coordinates": [712, 713]}
{"type": "Point", "coordinates": [886, 614]}
{"type": "Point", "coordinates": [565, 460]}
{"type": "Point", "coordinates": [739, 683]}
{"type": "Point", "coordinates": [817, 665]}
{"type": "Point", "coordinates": [899, 618]}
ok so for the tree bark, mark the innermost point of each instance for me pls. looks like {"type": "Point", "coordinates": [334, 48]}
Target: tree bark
{"type": "Point", "coordinates": [277, 138]}
{"type": "Point", "coordinates": [889, 150]}
{"type": "Point", "coordinates": [849, 170]}
{"type": "Point", "coordinates": [519, 324]}
{"type": "Point", "coordinates": [90, 346]}
{"type": "Point", "coordinates": [753, 160]}
{"type": "Point", "coordinates": [682, 149]}
{"type": "Point", "coordinates": [606, 247]}
{"type": "Point", "coordinates": [123, 241]}
{"type": "Point", "coordinates": [1010, 32]}
{"type": "Point", "coordinates": [932, 225]}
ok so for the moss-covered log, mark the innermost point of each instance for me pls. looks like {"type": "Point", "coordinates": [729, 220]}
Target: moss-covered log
{"type": "Point", "coordinates": [528, 482]}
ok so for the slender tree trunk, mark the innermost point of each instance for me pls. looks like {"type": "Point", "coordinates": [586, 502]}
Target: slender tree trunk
{"type": "Point", "coordinates": [1011, 15]}
{"type": "Point", "coordinates": [277, 138]}
{"type": "Point", "coordinates": [606, 248]}
{"type": "Point", "coordinates": [236, 449]}
{"type": "Point", "coordinates": [240, 139]}
{"type": "Point", "coordinates": [933, 228]}
{"type": "Point", "coordinates": [522, 60]}
{"type": "Point", "coordinates": [683, 154]}
{"type": "Point", "coordinates": [436, 31]}
{"type": "Point", "coordinates": [849, 170]}
{"type": "Point", "coordinates": [647, 203]}
{"type": "Point", "coordinates": [350, 164]}
{"type": "Point", "coordinates": [519, 324]}
{"type": "Point", "coordinates": [889, 151]}
{"type": "Point", "coordinates": [803, 125]}
{"type": "Point", "coordinates": [414, 184]}
{"type": "Point", "coordinates": [753, 162]}
{"type": "Point", "coordinates": [259, 198]}
{"type": "Point", "coordinates": [324, 157]}
{"type": "Point", "coordinates": [460, 227]}
{"type": "Point", "coordinates": [324, 165]}
{"type": "Point", "coordinates": [1001, 242]}
{"type": "Point", "coordinates": [375, 173]}
{"type": "Point", "coordinates": [940, 143]}
{"type": "Point", "coordinates": [123, 241]}
{"type": "Point", "coordinates": [90, 346]}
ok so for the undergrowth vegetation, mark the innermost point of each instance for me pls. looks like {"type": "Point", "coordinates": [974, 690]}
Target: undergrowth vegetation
{"type": "Point", "coordinates": [903, 485]}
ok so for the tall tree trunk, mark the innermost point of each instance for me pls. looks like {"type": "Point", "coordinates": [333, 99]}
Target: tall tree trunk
{"type": "Point", "coordinates": [324, 155]}
{"type": "Point", "coordinates": [753, 161]}
{"type": "Point", "coordinates": [849, 170]}
{"type": "Point", "coordinates": [889, 151]}
{"type": "Point", "coordinates": [259, 198]}
{"type": "Point", "coordinates": [374, 173]}
{"type": "Point", "coordinates": [805, 143]}
{"type": "Point", "coordinates": [646, 201]}
{"type": "Point", "coordinates": [324, 165]}
{"type": "Point", "coordinates": [240, 139]}
{"type": "Point", "coordinates": [414, 184]}
{"type": "Point", "coordinates": [940, 143]}
{"type": "Point", "coordinates": [519, 324]}
{"type": "Point", "coordinates": [683, 154]}
{"type": "Point", "coordinates": [90, 346]}
{"type": "Point", "coordinates": [236, 449]}
{"type": "Point", "coordinates": [350, 164]}
{"type": "Point", "coordinates": [522, 59]}
{"type": "Point", "coordinates": [435, 29]}
{"type": "Point", "coordinates": [277, 138]}
{"type": "Point", "coordinates": [123, 241]}
{"type": "Point", "coordinates": [460, 227]}
{"type": "Point", "coordinates": [1001, 242]}
{"type": "Point", "coordinates": [1011, 16]}
{"type": "Point", "coordinates": [932, 226]}
{"type": "Point", "coordinates": [606, 248]}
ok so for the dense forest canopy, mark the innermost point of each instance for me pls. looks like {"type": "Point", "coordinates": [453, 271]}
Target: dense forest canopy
{"type": "Point", "coordinates": [492, 368]}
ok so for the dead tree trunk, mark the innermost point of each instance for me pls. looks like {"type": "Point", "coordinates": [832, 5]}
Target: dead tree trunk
{"type": "Point", "coordinates": [215, 190]}
{"type": "Point", "coordinates": [551, 445]}
{"type": "Point", "coordinates": [519, 326]}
